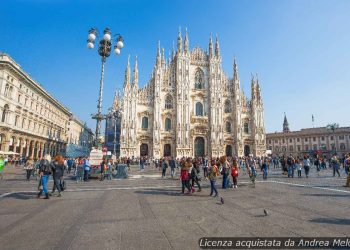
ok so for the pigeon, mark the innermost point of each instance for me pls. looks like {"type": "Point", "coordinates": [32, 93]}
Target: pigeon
{"type": "Point", "coordinates": [265, 212]}
{"type": "Point", "coordinates": [222, 200]}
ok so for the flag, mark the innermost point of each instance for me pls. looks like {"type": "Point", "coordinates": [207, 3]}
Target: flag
{"type": "Point", "coordinates": [313, 118]}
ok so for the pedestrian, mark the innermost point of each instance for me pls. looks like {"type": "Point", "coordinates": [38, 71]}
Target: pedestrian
{"type": "Point", "coordinates": [212, 175]}
{"type": "Point", "coordinates": [225, 171]}
{"type": "Point", "coordinates": [44, 172]}
{"type": "Point", "coordinates": [298, 167]}
{"type": "Point", "coordinates": [318, 165]}
{"type": "Point", "coordinates": [335, 164]}
{"type": "Point", "coordinates": [172, 165]}
{"type": "Point", "coordinates": [109, 169]}
{"type": "Point", "coordinates": [347, 164]}
{"type": "Point", "coordinates": [306, 165]}
{"type": "Point", "coordinates": [28, 167]}
{"type": "Point", "coordinates": [290, 164]}
{"type": "Point", "coordinates": [194, 174]}
{"type": "Point", "coordinates": [184, 175]}
{"type": "Point", "coordinates": [234, 172]}
{"type": "Point", "coordinates": [86, 169]}
{"type": "Point", "coordinates": [57, 173]}
{"type": "Point", "coordinates": [2, 166]}
{"type": "Point", "coordinates": [164, 167]}
{"type": "Point", "coordinates": [205, 168]}
{"type": "Point", "coordinates": [251, 167]}
{"type": "Point", "coordinates": [142, 163]}
{"type": "Point", "coordinates": [265, 169]}
{"type": "Point", "coordinates": [102, 170]}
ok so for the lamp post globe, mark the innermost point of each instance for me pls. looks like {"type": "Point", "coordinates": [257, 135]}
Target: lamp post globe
{"type": "Point", "coordinates": [104, 50]}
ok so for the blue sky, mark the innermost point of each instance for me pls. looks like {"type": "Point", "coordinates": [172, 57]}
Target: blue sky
{"type": "Point", "coordinates": [300, 49]}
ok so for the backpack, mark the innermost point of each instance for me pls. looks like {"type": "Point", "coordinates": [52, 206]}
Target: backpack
{"type": "Point", "coordinates": [234, 172]}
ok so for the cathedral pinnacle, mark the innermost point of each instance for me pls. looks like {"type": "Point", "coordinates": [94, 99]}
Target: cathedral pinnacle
{"type": "Point", "coordinates": [235, 70]}
{"type": "Point", "coordinates": [186, 42]}
{"type": "Point", "coordinates": [179, 42]}
{"type": "Point", "coordinates": [127, 73]}
{"type": "Point", "coordinates": [285, 124]}
{"type": "Point", "coordinates": [217, 47]}
{"type": "Point", "coordinates": [158, 60]}
{"type": "Point", "coordinates": [136, 72]}
{"type": "Point", "coordinates": [163, 57]}
{"type": "Point", "coordinates": [210, 47]}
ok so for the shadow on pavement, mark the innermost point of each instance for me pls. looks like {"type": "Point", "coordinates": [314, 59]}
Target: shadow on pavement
{"type": "Point", "coordinates": [159, 192]}
{"type": "Point", "coordinates": [328, 195]}
{"type": "Point", "coordinates": [331, 221]}
{"type": "Point", "coordinates": [22, 195]}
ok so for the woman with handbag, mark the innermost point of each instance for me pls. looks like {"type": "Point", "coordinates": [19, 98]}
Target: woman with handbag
{"type": "Point", "coordinates": [57, 173]}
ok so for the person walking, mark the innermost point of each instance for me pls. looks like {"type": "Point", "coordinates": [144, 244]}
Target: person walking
{"type": "Point", "coordinates": [225, 170]}
{"type": "Point", "coordinates": [290, 164]}
{"type": "Point", "coordinates": [86, 169]}
{"type": "Point", "coordinates": [335, 164]}
{"type": "Point", "coordinates": [57, 173]}
{"type": "Point", "coordinates": [265, 169]}
{"type": "Point", "coordinates": [194, 176]}
{"type": "Point", "coordinates": [102, 170]}
{"type": "Point", "coordinates": [28, 167]}
{"type": "Point", "coordinates": [172, 165]}
{"type": "Point", "coordinates": [234, 172]}
{"type": "Point", "coordinates": [212, 175]}
{"type": "Point", "coordinates": [306, 165]}
{"type": "Point", "coordinates": [184, 175]}
{"type": "Point", "coordinates": [164, 167]}
{"type": "Point", "coordinates": [2, 166]}
{"type": "Point", "coordinates": [44, 172]}
{"type": "Point", "coordinates": [298, 167]}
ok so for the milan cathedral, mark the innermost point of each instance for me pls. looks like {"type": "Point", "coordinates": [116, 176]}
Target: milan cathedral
{"type": "Point", "coordinates": [190, 107]}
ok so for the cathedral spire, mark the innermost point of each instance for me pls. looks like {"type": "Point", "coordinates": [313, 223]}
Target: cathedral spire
{"type": "Point", "coordinates": [217, 47]}
{"type": "Point", "coordinates": [210, 47]}
{"type": "Point", "coordinates": [285, 124]}
{"type": "Point", "coordinates": [179, 42]}
{"type": "Point", "coordinates": [186, 42]}
{"type": "Point", "coordinates": [158, 60]}
{"type": "Point", "coordinates": [172, 52]}
{"type": "Point", "coordinates": [163, 57]}
{"type": "Point", "coordinates": [136, 73]}
{"type": "Point", "coordinates": [127, 73]}
{"type": "Point", "coordinates": [235, 70]}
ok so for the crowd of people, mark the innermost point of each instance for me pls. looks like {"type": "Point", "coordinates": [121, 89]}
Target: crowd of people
{"type": "Point", "coordinates": [190, 169]}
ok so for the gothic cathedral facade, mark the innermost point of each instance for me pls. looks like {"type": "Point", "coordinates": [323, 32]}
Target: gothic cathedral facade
{"type": "Point", "coordinates": [190, 107]}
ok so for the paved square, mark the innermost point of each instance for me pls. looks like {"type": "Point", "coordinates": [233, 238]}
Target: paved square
{"type": "Point", "coordinates": [147, 212]}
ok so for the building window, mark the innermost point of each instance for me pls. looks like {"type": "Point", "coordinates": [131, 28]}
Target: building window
{"type": "Point", "coordinates": [23, 122]}
{"type": "Point", "coordinates": [199, 109]}
{"type": "Point", "coordinates": [342, 146]}
{"type": "Point", "coordinates": [306, 147]}
{"type": "Point", "coordinates": [228, 127]}
{"type": "Point", "coordinates": [167, 124]}
{"type": "Point", "coordinates": [168, 102]}
{"type": "Point", "coordinates": [298, 139]}
{"type": "Point", "coordinates": [276, 141]}
{"type": "Point", "coordinates": [306, 139]}
{"type": "Point", "coordinates": [283, 141]}
{"type": "Point", "coordinates": [341, 137]}
{"type": "Point", "coordinates": [332, 138]}
{"type": "Point", "coordinates": [246, 128]}
{"type": "Point", "coordinates": [291, 148]}
{"type": "Point", "coordinates": [322, 138]}
{"type": "Point", "coordinates": [5, 113]}
{"type": "Point", "coordinates": [298, 148]}
{"type": "Point", "coordinates": [314, 138]}
{"type": "Point", "coordinates": [199, 79]}
{"type": "Point", "coordinates": [16, 120]}
{"type": "Point", "coordinates": [228, 106]}
{"type": "Point", "coordinates": [290, 140]}
{"type": "Point", "coordinates": [144, 123]}
{"type": "Point", "coordinates": [269, 141]}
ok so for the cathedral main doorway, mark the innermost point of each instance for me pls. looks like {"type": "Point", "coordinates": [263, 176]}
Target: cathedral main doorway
{"type": "Point", "coordinates": [199, 146]}
{"type": "Point", "coordinates": [143, 149]}
{"type": "Point", "coordinates": [228, 150]}
{"type": "Point", "coordinates": [167, 150]}
{"type": "Point", "coordinates": [246, 150]}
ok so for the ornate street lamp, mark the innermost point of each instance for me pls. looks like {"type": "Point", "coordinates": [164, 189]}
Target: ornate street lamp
{"type": "Point", "coordinates": [332, 127]}
{"type": "Point", "coordinates": [104, 50]}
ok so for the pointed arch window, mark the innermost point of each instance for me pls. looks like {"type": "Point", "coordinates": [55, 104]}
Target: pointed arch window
{"type": "Point", "coordinates": [168, 102]}
{"type": "Point", "coordinates": [144, 123]}
{"type": "Point", "coordinates": [228, 127]}
{"type": "Point", "coordinates": [228, 108]}
{"type": "Point", "coordinates": [199, 79]}
{"type": "Point", "coordinates": [167, 124]}
{"type": "Point", "coordinates": [199, 109]}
